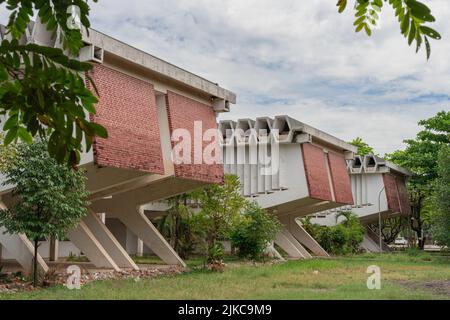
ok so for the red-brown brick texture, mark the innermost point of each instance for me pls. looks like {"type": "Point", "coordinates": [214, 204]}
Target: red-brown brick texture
{"type": "Point", "coordinates": [183, 112]}
{"type": "Point", "coordinates": [316, 172]}
{"type": "Point", "coordinates": [340, 177]}
{"type": "Point", "coordinates": [127, 109]}
{"type": "Point", "coordinates": [316, 161]}
{"type": "Point", "coordinates": [396, 193]}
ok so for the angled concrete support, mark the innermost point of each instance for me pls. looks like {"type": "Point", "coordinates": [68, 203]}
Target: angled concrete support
{"type": "Point", "coordinates": [139, 224]}
{"type": "Point", "coordinates": [109, 242]}
{"type": "Point", "coordinates": [299, 233]}
{"type": "Point", "coordinates": [23, 250]}
{"type": "Point", "coordinates": [369, 245]}
{"type": "Point", "coordinates": [21, 247]}
{"type": "Point", "coordinates": [289, 244]}
{"type": "Point", "coordinates": [85, 240]}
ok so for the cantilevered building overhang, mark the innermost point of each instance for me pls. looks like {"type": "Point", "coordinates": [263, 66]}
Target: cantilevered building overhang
{"type": "Point", "coordinates": [378, 188]}
{"type": "Point", "coordinates": [291, 169]}
{"type": "Point", "coordinates": [142, 101]}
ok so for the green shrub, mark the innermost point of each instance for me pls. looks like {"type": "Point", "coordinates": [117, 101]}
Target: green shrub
{"type": "Point", "coordinates": [343, 238]}
{"type": "Point", "coordinates": [257, 229]}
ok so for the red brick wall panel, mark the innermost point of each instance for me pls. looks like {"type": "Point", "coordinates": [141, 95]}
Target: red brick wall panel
{"type": "Point", "coordinates": [182, 113]}
{"type": "Point", "coordinates": [390, 184]}
{"type": "Point", "coordinates": [403, 196]}
{"type": "Point", "coordinates": [127, 109]}
{"type": "Point", "coordinates": [340, 178]}
{"type": "Point", "coordinates": [316, 172]}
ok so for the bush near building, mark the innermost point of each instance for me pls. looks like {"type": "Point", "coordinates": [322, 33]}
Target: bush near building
{"type": "Point", "coordinates": [343, 238]}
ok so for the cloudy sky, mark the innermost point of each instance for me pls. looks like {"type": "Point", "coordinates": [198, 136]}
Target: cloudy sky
{"type": "Point", "coordinates": [299, 58]}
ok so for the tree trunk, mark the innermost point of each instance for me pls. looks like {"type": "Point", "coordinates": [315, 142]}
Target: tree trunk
{"type": "Point", "coordinates": [35, 266]}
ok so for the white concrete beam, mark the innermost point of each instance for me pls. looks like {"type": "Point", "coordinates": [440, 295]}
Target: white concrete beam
{"type": "Point", "coordinates": [21, 248]}
{"type": "Point", "coordinates": [109, 242]}
{"type": "Point", "coordinates": [299, 233]}
{"type": "Point", "coordinates": [85, 240]}
{"type": "Point", "coordinates": [139, 224]}
{"type": "Point", "coordinates": [292, 247]}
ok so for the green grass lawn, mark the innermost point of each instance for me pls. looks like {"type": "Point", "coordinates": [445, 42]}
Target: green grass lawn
{"type": "Point", "coordinates": [425, 276]}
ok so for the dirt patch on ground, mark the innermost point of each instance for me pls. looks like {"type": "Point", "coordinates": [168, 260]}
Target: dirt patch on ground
{"type": "Point", "coordinates": [441, 287]}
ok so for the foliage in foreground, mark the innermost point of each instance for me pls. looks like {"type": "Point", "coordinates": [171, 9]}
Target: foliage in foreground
{"type": "Point", "coordinates": [42, 89]}
{"type": "Point", "coordinates": [51, 197]}
{"type": "Point", "coordinates": [412, 16]}
{"type": "Point", "coordinates": [343, 238]}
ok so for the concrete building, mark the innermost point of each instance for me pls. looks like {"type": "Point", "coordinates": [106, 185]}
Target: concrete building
{"type": "Point", "coordinates": [379, 191]}
{"type": "Point", "coordinates": [292, 170]}
{"type": "Point", "coordinates": [146, 104]}
{"type": "Point", "coordinates": [143, 101]}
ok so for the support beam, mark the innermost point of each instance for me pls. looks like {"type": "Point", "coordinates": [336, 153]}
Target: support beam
{"type": "Point", "coordinates": [85, 240]}
{"type": "Point", "coordinates": [23, 250]}
{"type": "Point", "coordinates": [299, 233]}
{"type": "Point", "coordinates": [292, 247]}
{"type": "Point", "coordinates": [139, 224]}
{"type": "Point", "coordinates": [21, 247]}
{"type": "Point", "coordinates": [109, 242]}
{"type": "Point", "coordinates": [54, 249]}
{"type": "Point", "coordinates": [369, 245]}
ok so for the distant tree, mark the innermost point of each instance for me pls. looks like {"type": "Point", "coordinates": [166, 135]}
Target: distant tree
{"type": "Point", "coordinates": [421, 158]}
{"type": "Point", "coordinates": [51, 198]}
{"type": "Point", "coordinates": [412, 16]}
{"type": "Point", "coordinates": [440, 216]}
{"type": "Point", "coordinates": [390, 228]}
{"type": "Point", "coordinates": [363, 147]}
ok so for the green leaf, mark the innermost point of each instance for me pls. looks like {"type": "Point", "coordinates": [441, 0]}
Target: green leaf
{"type": "Point", "coordinates": [3, 74]}
{"type": "Point", "coordinates": [99, 130]}
{"type": "Point", "coordinates": [428, 48]}
{"type": "Point", "coordinates": [368, 30]}
{"type": "Point", "coordinates": [24, 135]}
{"type": "Point", "coordinates": [430, 32]}
{"type": "Point", "coordinates": [10, 136]}
{"type": "Point", "coordinates": [412, 33]}
{"type": "Point", "coordinates": [11, 122]}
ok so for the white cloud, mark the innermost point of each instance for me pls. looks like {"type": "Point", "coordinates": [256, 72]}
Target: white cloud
{"type": "Point", "coordinates": [294, 57]}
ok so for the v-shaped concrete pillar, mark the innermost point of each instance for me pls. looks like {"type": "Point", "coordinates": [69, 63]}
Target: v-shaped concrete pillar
{"type": "Point", "coordinates": [289, 244]}
{"type": "Point", "coordinates": [141, 226]}
{"type": "Point", "coordinates": [109, 242]}
{"type": "Point", "coordinates": [85, 240]}
{"type": "Point", "coordinates": [299, 233]}
{"type": "Point", "coordinates": [22, 249]}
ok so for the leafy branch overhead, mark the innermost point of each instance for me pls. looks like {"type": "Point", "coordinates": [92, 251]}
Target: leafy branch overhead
{"type": "Point", "coordinates": [412, 16]}
{"type": "Point", "coordinates": [43, 91]}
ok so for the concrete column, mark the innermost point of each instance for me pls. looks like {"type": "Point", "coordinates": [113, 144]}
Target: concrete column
{"type": "Point", "coordinates": [292, 247]}
{"type": "Point", "coordinates": [54, 249]}
{"type": "Point", "coordinates": [369, 245]}
{"type": "Point", "coordinates": [108, 241]}
{"type": "Point", "coordinates": [297, 244]}
{"type": "Point", "coordinates": [140, 248]}
{"type": "Point", "coordinates": [85, 240]}
{"type": "Point", "coordinates": [139, 224]}
{"type": "Point", "coordinates": [287, 246]}
{"type": "Point", "coordinates": [299, 233]}
{"type": "Point", "coordinates": [21, 247]}
{"type": "Point", "coordinates": [1, 252]}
